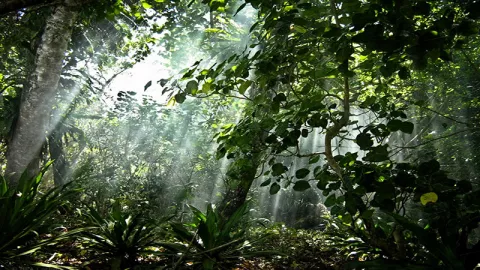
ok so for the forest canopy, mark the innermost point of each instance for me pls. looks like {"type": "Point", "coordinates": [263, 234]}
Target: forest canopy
{"type": "Point", "coordinates": [225, 134]}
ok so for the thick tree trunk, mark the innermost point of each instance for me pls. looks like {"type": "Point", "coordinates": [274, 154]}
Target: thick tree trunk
{"type": "Point", "coordinates": [242, 171]}
{"type": "Point", "coordinates": [240, 176]}
{"type": "Point", "coordinates": [38, 97]}
{"type": "Point", "coordinates": [7, 6]}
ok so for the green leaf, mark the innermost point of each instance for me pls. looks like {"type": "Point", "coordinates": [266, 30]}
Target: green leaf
{"type": "Point", "coordinates": [274, 188]}
{"type": "Point", "coordinates": [304, 133]}
{"type": "Point", "coordinates": [387, 70]}
{"type": "Point", "coordinates": [302, 173]}
{"type": "Point", "coordinates": [217, 5]}
{"type": "Point", "coordinates": [344, 53]}
{"type": "Point", "coordinates": [280, 97]}
{"type": "Point", "coordinates": [347, 219]}
{"type": "Point", "coordinates": [335, 185]}
{"type": "Point", "coordinates": [322, 184]}
{"type": "Point", "coordinates": [403, 179]}
{"type": "Point", "coordinates": [403, 73]}
{"type": "Point", "coordinates": [364, 140]}
{"type": "Point", "coordinates": [147, 86]}
{"type": "Point", "coordinates": [301, 185]}
{"type": "Point", "coordinates": [367, 213]}
{"type": "Point", "coordinates": [350, 203]}
{"type": "Point", "coordinates": [278, 169]}
{"type": "Point", "coordinates": [396, 125]}
{"type": "Point", "coordinates": [180, 97]}
{"type": "Point", "coordinates": [163, 82]}
{"type": "Point", "coordinates": [240, 8]}
{"type": "Point", "coordinates": [191, 88]}
{"type": "Point", "coordinates": [430, 197]}
{"type": "Point", "coordinates": [407, 127]}
{"type": "Point", "coordinates": [52, 266]}
{"type": "Point", "coordinates": [317, 121]}
{"type": "Point", "coordinates": [244, 86]}
{"type": "Point", "coordinates": [429, 167]}
{"type": "Point", "coordinates": [330, 201]}
{"type": "Point", "coordinates": [340, 199]}
{"type": "Point", "coordinates": [377, 154]}
{"type": "Point", "coordinates": [313, 159]}
{"type": "Point", "coordinates": [266, 183]}
{"type": "Point", "coordinates": [337, 210]}
{"type": "Point", "coordinates": [146, 5]}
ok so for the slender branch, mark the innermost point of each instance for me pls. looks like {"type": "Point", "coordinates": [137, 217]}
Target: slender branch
{"type": "Point", "coordinates": [400, 148]}
{"type": "Point", "coordinates": [440, 114]}
{"type": "Point", "coordinates": [261, 171]}
{"type": "Point", "coordinates": [436, 139]}
{"type": "Point", "coordinates": [311, 154]}
{"type": "Point", "coordinates": [109, 81]}
{"type": "Point", "coordinates": [423, 130]}
{"type": "Point", "coordinates": [333, 131]}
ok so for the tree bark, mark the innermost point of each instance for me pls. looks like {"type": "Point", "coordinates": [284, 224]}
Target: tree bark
{"type": "Point", "coordinates": [240, 176]}
{"type": "Point", "coordinates": [7, 6]}
{"type": "Point", "coordinates": [38, 96]}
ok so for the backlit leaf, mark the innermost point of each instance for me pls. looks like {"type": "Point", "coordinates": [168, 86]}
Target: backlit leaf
{"type": "Point", "coordinates": [244, 86]}
{"type": "Point", "coordinates": [430, 197]}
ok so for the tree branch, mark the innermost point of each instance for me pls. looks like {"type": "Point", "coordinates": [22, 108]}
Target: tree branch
{"type": "Point", "coordinates": [333, 131]}
{"type": "Point", "coordinates": [436, 139]}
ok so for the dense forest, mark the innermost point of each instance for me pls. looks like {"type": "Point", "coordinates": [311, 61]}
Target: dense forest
{"type": "Point", "coordinates": [240, 134]}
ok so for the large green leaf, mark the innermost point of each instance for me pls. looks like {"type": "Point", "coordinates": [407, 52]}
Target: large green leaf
{"type": "Point", "coordinates": [180, 97]}
{"type": "Point", "coordinates": [244, 86]}
{"type": "Point", "coordinates": [278, 169]}
{"type": "Point", "coordinates": [404, 126]}
{"type": "Point", "coordinates": [330, 201]}
{"type": "Point", "coordinates": [302, 173]}
{"type": "Point", "coordinates": [364, 140]}
{"type": "Point", "coordinates": [274, 188]}
{"type": "Point", "coordinates": [301, 185]}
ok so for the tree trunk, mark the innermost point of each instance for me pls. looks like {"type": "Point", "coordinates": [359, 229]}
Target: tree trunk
{"type": "Point", "coordinates": [38, 97]}
{"type": "Point", "coordinates": [242, 171]}
{"type": "Point", "coordinates": [240, 176]}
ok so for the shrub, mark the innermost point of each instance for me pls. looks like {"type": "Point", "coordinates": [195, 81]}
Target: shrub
{"type": "Point", "coordinates": [25, 213]}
